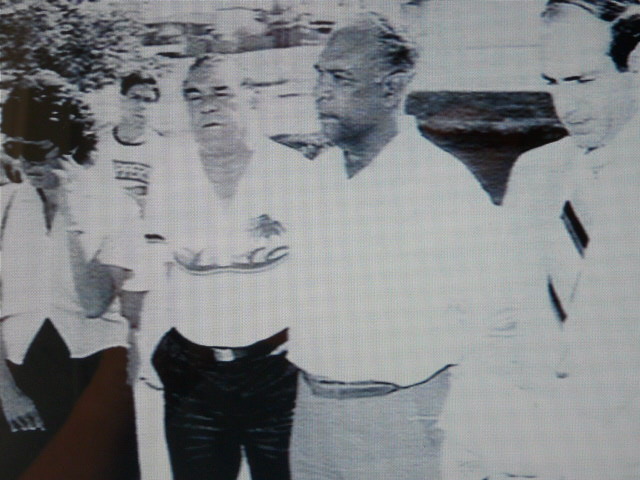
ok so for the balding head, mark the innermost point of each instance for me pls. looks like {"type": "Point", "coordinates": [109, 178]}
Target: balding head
{"type": "Point", "coordinates": [362, 74]}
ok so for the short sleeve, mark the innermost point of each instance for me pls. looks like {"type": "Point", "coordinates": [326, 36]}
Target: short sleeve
{"type": "Point", "coordinates": [111, 223]}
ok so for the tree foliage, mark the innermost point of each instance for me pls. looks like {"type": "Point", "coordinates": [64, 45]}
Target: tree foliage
{"type": "Point", "coordinates": [88, 46]}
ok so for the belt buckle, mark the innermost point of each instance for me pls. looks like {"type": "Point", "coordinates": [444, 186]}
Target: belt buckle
{"type": "Point", "coordinates": [224, 354]}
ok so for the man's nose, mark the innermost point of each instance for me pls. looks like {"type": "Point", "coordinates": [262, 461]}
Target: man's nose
{"type": "Point", "coordinates": [566, 102]}
{"type": "Point", "coordinates": [209, 105]}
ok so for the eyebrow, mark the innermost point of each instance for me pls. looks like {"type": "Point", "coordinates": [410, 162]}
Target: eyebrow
{"type": "Point", "coordinates": [574, 78]}
{"type": "Point", "coordinates": [340, 70]}
{"type": "Point", "coordinates": [344, 71]}
{"type": "Point", "coordinates": [571, 78]}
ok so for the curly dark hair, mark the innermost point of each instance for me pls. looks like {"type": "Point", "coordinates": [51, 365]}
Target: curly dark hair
{"type": "Point", "coordinates": [42, 106]}
{"type": "Point", "coordinates": [625, 27]}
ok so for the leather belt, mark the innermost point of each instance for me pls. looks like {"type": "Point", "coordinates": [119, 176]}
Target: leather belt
{"type": "Point", "coordinates": [342, 390]}
{"type": "Point", "coordinates": [268, 346]}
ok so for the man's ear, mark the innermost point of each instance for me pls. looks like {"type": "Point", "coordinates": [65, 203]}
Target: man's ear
{"type": "Point", "coordinates": [394, 84]}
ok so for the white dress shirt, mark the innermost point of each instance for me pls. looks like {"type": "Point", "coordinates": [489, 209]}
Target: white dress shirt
{"type": "Point", "coordinates": [37, 280]}
{"type": "Point", "coordinates": [398, 263]}
{"type": "Point", "coordinates": [588, 423]}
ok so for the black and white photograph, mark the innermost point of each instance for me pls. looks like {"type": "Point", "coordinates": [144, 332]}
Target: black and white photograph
{"type": "Point", "coordinates": [319, 239]}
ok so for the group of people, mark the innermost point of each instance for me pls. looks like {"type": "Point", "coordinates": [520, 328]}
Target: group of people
{"type": "Point", "coordinates": [366, 315]}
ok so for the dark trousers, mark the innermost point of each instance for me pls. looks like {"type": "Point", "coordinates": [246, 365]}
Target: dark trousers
{"type": "Point", "coordinates": [54, 382]}
{"type": "Point", "coordinates": [87, 410]}
{"type": "Point", "coordinates": [215, 409]}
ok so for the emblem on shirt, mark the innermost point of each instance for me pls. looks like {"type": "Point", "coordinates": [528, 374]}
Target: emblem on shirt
{"type": "Point", "coordinates": [264, 226]}
{"type": "Point", "coordinates": [136, 171]}
{"type": "Point", "coordinates": [256, 260]}
{"type": "Point", "coordinates": [135, 178]}
{"type": "Point", "coordinates": [265, 254]}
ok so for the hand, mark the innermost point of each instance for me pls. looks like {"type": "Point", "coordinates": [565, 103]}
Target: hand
{"type": "Point", "coordinates": [20, 412]}
{"type": "Point", "coordinates": [72, 184]}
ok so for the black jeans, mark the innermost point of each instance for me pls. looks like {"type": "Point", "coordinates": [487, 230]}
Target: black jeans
{"type": "Point", "coordinates": [214, 409]}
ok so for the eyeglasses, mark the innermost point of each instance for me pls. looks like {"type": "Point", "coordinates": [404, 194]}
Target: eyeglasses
{"type": "Point", "coordinates": [32, 152]}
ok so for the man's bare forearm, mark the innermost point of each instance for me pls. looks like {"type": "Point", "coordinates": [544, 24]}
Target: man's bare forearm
{"type": "Point", "coordinates": [93, 281]}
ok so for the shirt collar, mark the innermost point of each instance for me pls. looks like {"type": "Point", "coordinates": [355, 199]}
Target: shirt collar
{"type": "Point", "coordinates": [401, 148]}
{"type": "Point", "coordinates": [611, 154]}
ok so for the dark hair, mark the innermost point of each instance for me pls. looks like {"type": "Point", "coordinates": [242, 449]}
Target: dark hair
{"type": "Point", "coordinates": [625, 30]}
{"type": "Point", "coordinates": [206, 60]}
{"type": "Point", "coordinates": [398, 53]}
{"type": "Point", "coordinates": [137, 78]}
{"type": "Point", "coordinates": [43, 106]}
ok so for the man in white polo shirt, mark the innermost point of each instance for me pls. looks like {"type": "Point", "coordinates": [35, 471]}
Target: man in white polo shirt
{"type": "Point", "coordinates": [223, 284]}
{"type": "Point", "coordinates": [400, 247]}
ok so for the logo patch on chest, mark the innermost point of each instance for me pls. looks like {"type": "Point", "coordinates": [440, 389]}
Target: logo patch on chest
{"type": "Point", "coordinates": [135, 171]}
{"type": "Point", "coordinates": [254, 261]}
{"type": "Point", "coordinates": [265, 227]}
{"type": "Point", "coordinates": [265, 254]}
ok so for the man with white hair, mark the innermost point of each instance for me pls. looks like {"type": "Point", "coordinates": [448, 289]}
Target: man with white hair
{"type": "Point", "coordinates": [402, 242]}
{"type": "Point", "coordinates": [220, 270]}
{"type": "Point", "coordinates": [576, 199]}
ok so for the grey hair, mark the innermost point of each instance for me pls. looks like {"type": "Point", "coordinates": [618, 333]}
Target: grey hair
{"type": "Point", "coordinates": [399, 53]}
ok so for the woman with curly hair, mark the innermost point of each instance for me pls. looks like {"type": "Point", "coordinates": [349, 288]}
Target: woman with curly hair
{"type": "Point", "coordinates": [58, 299]}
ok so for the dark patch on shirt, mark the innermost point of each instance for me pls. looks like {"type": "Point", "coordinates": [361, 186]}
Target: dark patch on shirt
{"type": "Point", "coordinates": [574, 227]}
{"type": "Point", "coordinates": [556, 303]}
